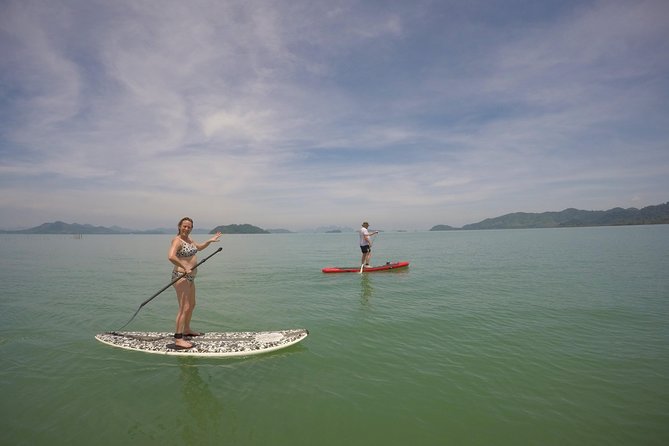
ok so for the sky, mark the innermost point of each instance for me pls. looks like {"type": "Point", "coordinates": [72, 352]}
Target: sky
{"type": "Point", "coordinates": [303, 113]}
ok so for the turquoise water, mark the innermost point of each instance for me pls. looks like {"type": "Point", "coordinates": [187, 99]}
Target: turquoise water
{"type": "Point", "coordinates": [546, 337]}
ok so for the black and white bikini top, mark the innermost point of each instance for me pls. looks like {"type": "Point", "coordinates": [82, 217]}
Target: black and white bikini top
{"type": "Point", "coordinates": [186, 250]}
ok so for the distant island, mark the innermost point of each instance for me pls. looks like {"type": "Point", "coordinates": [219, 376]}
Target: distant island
{"type": "Point", "coordinates": [333, 229]}
{"type": "Point", "coordinates": [239, 229]}
{"type": "Point", "coordinates": [443, 228]}
{"type": "Point", "coordinates": [649, 215]}
{"type": "Point", "coordinates": [279, 231]}
{"type": "Point", "coordinates": [60, 227]}
{"type": "Point", "coordinates": [569, 218]}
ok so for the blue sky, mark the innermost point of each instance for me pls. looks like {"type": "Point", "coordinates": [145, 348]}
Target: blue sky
{"type": "Point", "coordinates": [296, 114]}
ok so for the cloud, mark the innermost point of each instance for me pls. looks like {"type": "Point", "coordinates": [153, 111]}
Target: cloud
{"type": "Point", "coordinates": [304, 113]}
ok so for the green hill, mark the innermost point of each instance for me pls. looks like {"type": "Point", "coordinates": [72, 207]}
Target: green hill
{"type": "Point", "coordinates": [239, 229]}
{"type": "Point", "coordinates": [443, 228]}
{"type": "Point", "coordinates": [574, 217]}
{"type": "Point", "coordinates": [59, 227]}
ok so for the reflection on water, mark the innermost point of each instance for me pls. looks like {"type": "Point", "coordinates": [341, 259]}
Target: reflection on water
{"type": "Point", "coordinates": [204, 418]}
{"type": "Point", "coordinates": [366, 288]}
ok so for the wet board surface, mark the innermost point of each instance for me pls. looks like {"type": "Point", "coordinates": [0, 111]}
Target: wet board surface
{"type": "Point", "coordinates": [368, 269]}
{"type": "Point", "coordinates": [214, 344]}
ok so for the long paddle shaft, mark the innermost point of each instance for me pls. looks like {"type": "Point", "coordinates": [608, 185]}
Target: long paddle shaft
{"type": "Point", "coordinates": [169, 285]}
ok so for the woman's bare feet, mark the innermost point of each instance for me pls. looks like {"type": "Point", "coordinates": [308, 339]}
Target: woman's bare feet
{"type": "Point", "coordinates": [180, 342]}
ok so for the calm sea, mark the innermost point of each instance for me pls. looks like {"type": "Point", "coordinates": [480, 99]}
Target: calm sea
{"type": "Point", "coordinates": [508, 337]}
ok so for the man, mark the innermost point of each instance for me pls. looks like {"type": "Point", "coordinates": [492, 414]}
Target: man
{"type": "Point", "coordinates": [366, 244]}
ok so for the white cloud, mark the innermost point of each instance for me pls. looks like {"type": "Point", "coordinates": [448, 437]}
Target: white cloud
{"type": "Point", "coordinates": [291, 113]}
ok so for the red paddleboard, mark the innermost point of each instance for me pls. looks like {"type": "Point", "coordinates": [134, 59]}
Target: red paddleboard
{"type": "Point", "coordinates": [368, 269]}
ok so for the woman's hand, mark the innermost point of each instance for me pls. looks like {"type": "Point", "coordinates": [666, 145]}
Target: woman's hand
{"type": "Point", "coordinates": [215, 237]}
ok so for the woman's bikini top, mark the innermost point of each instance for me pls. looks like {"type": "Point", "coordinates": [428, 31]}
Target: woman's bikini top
{"type": "Point", "coordinates": [186, 250]}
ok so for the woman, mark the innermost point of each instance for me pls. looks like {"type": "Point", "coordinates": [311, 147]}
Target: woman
{"type": "Point", "coordinates": [182, 255]}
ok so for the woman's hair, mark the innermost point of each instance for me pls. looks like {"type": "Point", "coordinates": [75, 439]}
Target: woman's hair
{"type": "Point", "coordinates": [183, 220]}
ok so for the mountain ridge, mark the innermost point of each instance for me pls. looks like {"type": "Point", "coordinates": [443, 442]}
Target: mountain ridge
{"type": "Point", "coordinates": [570, 217]}
{"type": "Point", "coordinates": [59, 227]}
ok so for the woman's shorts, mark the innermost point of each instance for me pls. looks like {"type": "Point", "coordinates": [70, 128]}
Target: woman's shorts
{"type": "Point", "coordinates": [365, 248]}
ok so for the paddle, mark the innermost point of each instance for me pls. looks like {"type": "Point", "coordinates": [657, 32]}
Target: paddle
{"type": "Point", "coordinates": [167, 286]}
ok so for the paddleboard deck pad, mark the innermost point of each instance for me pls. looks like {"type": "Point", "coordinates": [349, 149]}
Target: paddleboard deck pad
{"type": "Point", "coordinates": [368, 269]}
{"type": "Point", "coordinates": [214, 344]}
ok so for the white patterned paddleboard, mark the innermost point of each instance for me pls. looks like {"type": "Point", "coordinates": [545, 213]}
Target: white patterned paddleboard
{"type": "Point", "coordinates": [214, 344]}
